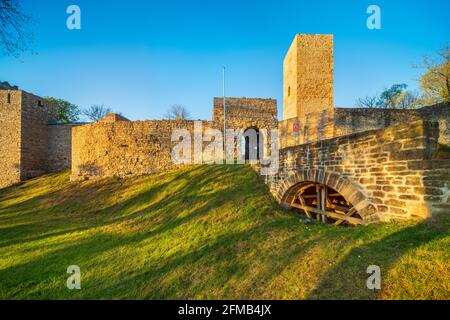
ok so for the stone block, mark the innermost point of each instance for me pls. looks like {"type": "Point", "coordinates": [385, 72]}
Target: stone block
{"type": "Point", "coordinates": [395, 203]}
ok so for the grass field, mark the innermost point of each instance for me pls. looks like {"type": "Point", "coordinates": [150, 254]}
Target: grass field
{"type": "Point", "coordinates": [203, 232]}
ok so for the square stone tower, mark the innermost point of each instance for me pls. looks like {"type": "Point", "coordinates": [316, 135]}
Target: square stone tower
{"type": "Point", "coordinates": [26, 139]}
{"type": "Point", "coordinates": [308, 76]}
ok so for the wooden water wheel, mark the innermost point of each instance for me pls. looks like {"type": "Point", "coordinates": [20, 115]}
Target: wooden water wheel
{"type": "Point", "coordinates": [318, 201]}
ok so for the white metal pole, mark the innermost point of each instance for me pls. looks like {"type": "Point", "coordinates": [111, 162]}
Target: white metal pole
{"type": "Point", "coordinates": [224, 111]}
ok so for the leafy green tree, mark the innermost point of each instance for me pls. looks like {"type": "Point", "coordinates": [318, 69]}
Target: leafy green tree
{"type": "Point", "coordinates": [435, 82]}
{"type": "Point", "coordinates": [407, 100]}
{"type": "Point", "coordinates": [389, 98]}
{"type": "Point", "coordinates": [67, 112]}
{"type": "Point", "coordinates": [396, 97]}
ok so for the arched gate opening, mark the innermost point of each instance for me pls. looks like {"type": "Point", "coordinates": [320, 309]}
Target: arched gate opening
{"type": "Point", "coordinates": [252, 143]}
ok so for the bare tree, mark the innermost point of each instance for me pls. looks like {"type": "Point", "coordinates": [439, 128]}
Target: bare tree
{"type": "Point", "coordinates": [96, 112]}
{"type": "Point", "coordinates": [14, 36]}
{"type": "Point", "coordinates": [367, 102]}
{"type": "Point", "coordinates": [177, 112]}
{"type": "Point", "coordinates": [408, 100]}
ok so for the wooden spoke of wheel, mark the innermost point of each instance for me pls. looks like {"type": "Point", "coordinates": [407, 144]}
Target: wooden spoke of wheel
{"type": "Point", "coordinates": [302, 202]}
{"type": "Point", "coordinates": [324, 205]}
{"type": "Point", "coordinates": [332, 215]}
{"type": "Point", "coordinates": [301, 198]}
{"type": "Point", "coordinates": [298, 196]}
{"type": "Point", "coordinates": [322, 197]}
{"type": "Point", "coordinates": [336, 207]}
{"type": "Point", "coordinates": [309, 196]}
{"type": "Point", "coordinates": [351, 212]}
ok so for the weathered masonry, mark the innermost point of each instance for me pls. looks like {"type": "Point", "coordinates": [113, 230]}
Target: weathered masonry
{"type": "Point", "coordinates": [337, 165]}
{"type": "Point", "coordinates": [354, 166]}
{"type": "Point", "coordinates": [308, 111]}
{"type": "Point", "coordinates": [376, 175]}
{"type": "Point", "coordinates": [116, 146]}
{"type": "Point", "coordinates": [30, 145]}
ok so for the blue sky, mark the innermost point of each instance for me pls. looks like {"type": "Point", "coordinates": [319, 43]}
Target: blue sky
{"type": "Point", "coordinates": [140, 57]}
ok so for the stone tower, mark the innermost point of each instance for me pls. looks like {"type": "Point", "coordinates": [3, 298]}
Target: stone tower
{"type": "Point", "coordinates": [30, 145]}
{"type": "Point", "coordinates": [308, 77]}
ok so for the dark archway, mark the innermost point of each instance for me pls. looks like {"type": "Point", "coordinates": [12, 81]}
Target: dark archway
{"type": "Point", "coordinates": [287, 188]}
{"type": "Point", "coordinates": [253, 142]}
{"type": "Point", "coordinates": [321, 202]}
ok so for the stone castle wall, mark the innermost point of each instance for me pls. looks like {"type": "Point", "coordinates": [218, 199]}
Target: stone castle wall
{"type": "Point", "coordinates": [248, 113]}
{"type": "Point", "coordinates": [35, 116]}
{"type": "Point", "coordinates": [33, 146]}
{"type": "Point", "coordinates": [59, 156]}
{"type": "Point", "coordinates": [117, 147]}
{"type": "Point", "coordinates": [344, 121]}
{"type": "Point", "coordinates": [124, 148]}
{"type": "Point", "coordinates": [29, 146]}
{"type": "Point", "coordinates": [386, 173]}
{"type": "Point", "coordinates": [244, 113]}
{"type": "Point", "coordinates": [10, 136]}
{"type": "Point", "coordinates": [315, 127]}
{"type": "Point", "coordinates": [351, 120]}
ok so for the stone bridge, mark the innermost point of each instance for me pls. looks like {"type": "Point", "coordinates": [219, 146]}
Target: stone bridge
{"type": "Point", "coordinates": [376, 175]}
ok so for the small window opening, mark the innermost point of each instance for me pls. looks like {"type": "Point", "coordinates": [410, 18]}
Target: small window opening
{"type": "Point", "coordinates": [9, 97]}
{"type": "Point", "coordinates": [40, 103]}
{"type": "Point", "coordinates": [289, 91]}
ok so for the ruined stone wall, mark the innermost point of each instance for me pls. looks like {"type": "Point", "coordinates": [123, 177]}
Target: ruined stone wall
{"type": "Point", "coordinates": [386, 174]}
{"type": "Point", "coordinates": [10, 126]}
{"type": "Point", "coordinates": [439, 113]}
{"type": "Point", "coordinates": [59, 152]}
{"type": "Point", "coordinates": [36, 114]}
{"type": "Point", "coordinates": [308, 76]}
{"type": "Point", "coordinates": [115, 146]}
{"type": "Point", "coordinates": [244, 113]}
{"type": "Point", "coordinates": [289, 133]}
{"type": "Point", "coordinates": [344, 121]}
{"type": "Point", "coordinates": [316, 126]}
{"type": "Point", "coordinates": [29, 146]}
{"type": "Point", "coordinates": [124, 148]}
{"type": "Point", "coordinates": [351, 120]}
{"type": "Point", "coordinates": [113, 117]}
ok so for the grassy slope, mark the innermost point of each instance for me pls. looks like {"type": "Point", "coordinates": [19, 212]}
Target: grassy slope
{"type": "Point", "coordinates": [202, 232]}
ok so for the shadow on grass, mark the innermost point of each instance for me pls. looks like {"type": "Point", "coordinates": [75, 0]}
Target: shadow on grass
{"type": "Point", "coordinates": [347, 280]}
{"type": "Point", "coordinates": [219, 268]}
{"type": "Point", "coordinates": [114, 239]}
{"type": "Point", "coordinates": [79, 208]}
{"type": "Point", "coordinates": [191, 198]}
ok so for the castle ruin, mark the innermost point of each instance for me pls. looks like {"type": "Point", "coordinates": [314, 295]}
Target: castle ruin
{"type": "Point", "coordinates": [362, 165]}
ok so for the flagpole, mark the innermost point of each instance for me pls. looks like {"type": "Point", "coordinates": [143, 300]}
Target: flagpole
{"type": "Point", "coordinates": [224, 110]}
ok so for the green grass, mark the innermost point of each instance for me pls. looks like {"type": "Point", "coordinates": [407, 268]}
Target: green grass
{"type": "Point", "coordinates": [203, 232]}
